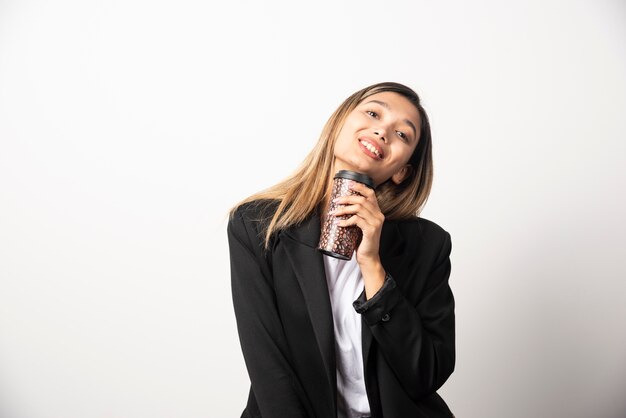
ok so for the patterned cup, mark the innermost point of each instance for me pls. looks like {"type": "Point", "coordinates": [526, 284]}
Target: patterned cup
{"type": "Point", "coordinates": [339, 241]}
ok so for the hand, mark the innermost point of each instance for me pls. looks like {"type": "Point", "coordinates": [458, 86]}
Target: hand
{"type": "Point", "coordinates": [366, 215]}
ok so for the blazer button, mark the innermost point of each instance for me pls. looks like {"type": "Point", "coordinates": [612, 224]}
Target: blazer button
{"type": "Point", "coordinates": [385, 317]}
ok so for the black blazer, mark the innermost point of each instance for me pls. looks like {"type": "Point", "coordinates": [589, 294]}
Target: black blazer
{"type": "Point", "coordinates": [285, 323]}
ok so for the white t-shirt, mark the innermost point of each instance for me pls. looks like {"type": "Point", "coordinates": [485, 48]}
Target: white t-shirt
{"type": "Point", "coordinates": [345, 284]}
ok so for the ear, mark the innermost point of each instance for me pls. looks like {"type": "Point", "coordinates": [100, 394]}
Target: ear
{"type": "Point", "coordinates": [402, 174]}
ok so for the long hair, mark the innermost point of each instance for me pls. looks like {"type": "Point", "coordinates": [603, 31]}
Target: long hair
{"type": "Point", "coordinates": [299, 195]}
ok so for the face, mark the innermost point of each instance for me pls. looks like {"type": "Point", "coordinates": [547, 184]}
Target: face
{"type": "Point", "coordinates": [378, 138]}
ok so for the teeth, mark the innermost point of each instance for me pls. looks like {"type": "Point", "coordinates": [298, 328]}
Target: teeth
{"type": "Point", "coordinates": [370, 147]}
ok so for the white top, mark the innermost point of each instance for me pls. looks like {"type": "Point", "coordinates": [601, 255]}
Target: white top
{"type": "Point", "coordinates": [345, 284]}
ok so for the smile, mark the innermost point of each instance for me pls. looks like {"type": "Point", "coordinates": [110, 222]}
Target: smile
{"type": "Point", "coordinates": [370, 149]}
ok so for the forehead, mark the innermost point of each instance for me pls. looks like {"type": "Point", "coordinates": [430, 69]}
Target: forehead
{"type": "Point", "coordinates": [397, 104]}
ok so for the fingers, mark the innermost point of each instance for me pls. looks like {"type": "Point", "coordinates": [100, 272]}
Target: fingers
{"type": "Point", "coordinates": [364, 209]}
{"type": "Point", "coordinates": [354, 220]}
{"type": "Point", "coordinates": [358, 209]}
{"type": "Point", "coordinates": [362, 189]}
{"type": "Point", "coordinates": [367, 195]}
{"type": "Point", "coordinates": [365, 220]}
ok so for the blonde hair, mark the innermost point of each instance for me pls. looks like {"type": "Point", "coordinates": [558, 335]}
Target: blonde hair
{"type": "Point", "coordinates": [300, 193]}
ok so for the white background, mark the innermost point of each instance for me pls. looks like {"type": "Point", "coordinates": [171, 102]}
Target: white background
{"type": "Point", "coordinates": [128, 128]}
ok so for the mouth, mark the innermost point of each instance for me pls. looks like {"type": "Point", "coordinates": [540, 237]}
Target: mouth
{"type": "Point", "coordinates": [371, 148]}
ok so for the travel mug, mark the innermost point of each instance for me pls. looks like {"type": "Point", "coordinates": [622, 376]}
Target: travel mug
{"type": "Point", "coordinates": [341, 241]}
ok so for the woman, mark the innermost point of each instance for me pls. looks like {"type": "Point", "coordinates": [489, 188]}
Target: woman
{"type": "Point", "coordinates": [371, 336]}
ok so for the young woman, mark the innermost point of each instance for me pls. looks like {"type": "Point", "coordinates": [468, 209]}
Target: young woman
{"type": "Point", "coordinates": [368, 337]}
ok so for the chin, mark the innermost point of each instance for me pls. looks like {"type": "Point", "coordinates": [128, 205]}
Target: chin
{"type": "Point", "coordinates": [355, 164]}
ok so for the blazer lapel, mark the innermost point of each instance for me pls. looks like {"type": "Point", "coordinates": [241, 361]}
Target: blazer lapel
{"type": "Point", "coordinates": [391, 253]}
{"type": "Point", "coordinates": [308, 265]}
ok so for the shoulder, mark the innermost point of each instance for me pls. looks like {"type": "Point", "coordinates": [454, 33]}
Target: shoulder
{"type": "Point", "coordinates": [250, 219]}
{"type": "Point", "coordinates": [424, 227]}
{"type": "Point", "coordinates": [256, 210]}
{"type": "Point", "coordinates": [426, 232]}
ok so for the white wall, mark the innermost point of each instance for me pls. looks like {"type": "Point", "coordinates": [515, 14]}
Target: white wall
{"type": "Point", "coordinates": [127, 129]}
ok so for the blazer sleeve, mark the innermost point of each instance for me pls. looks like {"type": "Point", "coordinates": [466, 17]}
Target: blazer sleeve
{"type": "Point", "coordinates": [277, 391]}
{"type": "Point", "coordinates": [418, 342]}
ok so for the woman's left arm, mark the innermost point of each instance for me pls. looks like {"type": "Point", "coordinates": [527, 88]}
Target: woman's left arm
{"type": "Point", "coordinates": [418, 341]}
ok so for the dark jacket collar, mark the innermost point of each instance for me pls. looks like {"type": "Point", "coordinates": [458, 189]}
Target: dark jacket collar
{"type": "Point", "coordinates": [308, 265]}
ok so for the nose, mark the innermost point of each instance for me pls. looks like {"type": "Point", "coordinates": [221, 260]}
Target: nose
{"type": "Point", "coordinates": [379, 132]}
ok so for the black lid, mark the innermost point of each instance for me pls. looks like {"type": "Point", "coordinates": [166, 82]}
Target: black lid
{"type": "Point", "coordinates": [353, 175]}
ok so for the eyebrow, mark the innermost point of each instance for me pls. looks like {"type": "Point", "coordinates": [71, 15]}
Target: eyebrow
{"type": "Point", "coordinates": [383, 104]}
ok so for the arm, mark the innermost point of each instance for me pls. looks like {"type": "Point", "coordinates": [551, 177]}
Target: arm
{"type": "Point", "coordinates": [418, 342]}
{"type": "Point", "coordinates": [274, 383]}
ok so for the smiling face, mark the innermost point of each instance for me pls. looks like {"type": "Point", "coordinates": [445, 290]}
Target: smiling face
{"type": "Point", "coordinates": [378, 138]}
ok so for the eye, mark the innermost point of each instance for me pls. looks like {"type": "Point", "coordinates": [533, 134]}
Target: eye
{"type": "Point", "coordinates": [371, 113]}
{"type": "Point", "coordinates": [403, 135]}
